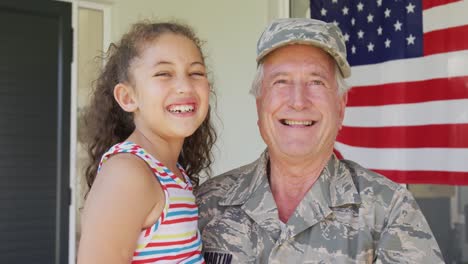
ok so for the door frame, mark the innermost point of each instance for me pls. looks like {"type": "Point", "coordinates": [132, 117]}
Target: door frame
{"type": "Point", "coordinates": [106, 10]}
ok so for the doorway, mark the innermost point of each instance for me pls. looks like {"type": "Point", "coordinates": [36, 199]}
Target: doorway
{"type": "Point", "coordinates": [35, 71]}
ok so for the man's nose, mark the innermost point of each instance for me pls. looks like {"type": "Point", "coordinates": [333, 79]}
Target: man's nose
{"type": "Point", "coordinates": [298, 97]}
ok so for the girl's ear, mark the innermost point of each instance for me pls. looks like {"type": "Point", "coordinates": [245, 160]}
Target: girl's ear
{"type": "Point", "coordinates": [125, 97]}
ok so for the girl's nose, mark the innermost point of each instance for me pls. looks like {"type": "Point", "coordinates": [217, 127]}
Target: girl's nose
{"type": "Point", "coordinates": [184, 85]}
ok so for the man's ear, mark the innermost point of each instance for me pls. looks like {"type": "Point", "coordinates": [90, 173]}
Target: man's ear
{"type": "Point", "coordinates": [258, 104]}
{"type": "Point", "coordinates": [343, 102]}
{"type": "Point", "coordinates": [125, 97]}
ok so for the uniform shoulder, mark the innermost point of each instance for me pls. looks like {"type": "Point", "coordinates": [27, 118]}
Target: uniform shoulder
{"type": "Point", "coordinates": [372, 186]}
{"type": "Point", "coordinates": [395, 216]}
{"type": "Point", "coordinates": [365, 177]}
{"type": "Point", "coordinates": [220, 184]}
{"type": "Point", "coordinates": [211, 192]}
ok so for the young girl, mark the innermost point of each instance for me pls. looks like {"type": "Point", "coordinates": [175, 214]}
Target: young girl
{"type": "Point", "coordinates": [148, 119]}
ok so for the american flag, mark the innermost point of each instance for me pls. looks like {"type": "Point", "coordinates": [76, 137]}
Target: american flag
{"type": "Point", "coordinates": [407, 113]}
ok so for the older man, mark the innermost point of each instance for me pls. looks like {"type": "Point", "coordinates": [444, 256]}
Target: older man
{"type": "Point", "coordinates": [298, 203]}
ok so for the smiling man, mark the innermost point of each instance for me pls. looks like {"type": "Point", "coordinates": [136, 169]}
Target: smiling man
{"type": "Point", "coordinates": [298, 203]}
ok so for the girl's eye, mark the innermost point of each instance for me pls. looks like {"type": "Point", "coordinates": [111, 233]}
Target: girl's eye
{"type": "Point", "coordinates": [202, 74]}
{"type": "Point", "coordinates": [162, 74]}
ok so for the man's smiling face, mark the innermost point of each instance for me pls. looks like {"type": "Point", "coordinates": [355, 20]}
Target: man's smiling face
{"type": "Point", "coordinates": [299, 107]}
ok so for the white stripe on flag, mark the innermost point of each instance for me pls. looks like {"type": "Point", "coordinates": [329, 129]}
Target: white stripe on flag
{"type": "Point", "coordinates": [427, 113]}
{"type": "Point", "coordinates": [452, 64]}
{"type": "Point", "coordinates": [445, 16]}
{"type": "Point", "coordinates": [424, 159]}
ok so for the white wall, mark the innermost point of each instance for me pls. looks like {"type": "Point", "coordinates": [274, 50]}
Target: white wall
{"type": "Point", "coordinates": [231, 29]}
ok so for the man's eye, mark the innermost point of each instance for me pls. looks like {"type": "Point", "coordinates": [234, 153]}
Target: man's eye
{"type": "Point", "coordinates": [280, 81]}
{"type": "Point", "coordinates": [316, 82]}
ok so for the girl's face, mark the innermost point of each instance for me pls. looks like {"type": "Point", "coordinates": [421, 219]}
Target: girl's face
{"type": "Point", "coordinates": [171, 89]}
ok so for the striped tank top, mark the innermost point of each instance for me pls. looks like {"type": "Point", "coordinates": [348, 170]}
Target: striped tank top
{"type": "Point", "coordinates": [174, 238]}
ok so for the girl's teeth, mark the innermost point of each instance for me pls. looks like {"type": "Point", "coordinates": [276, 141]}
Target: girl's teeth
{"type": "Point", "coordinates": [181, 109]}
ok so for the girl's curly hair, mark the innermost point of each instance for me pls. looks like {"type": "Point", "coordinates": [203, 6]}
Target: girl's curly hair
{"type": "Point", "coordinates": [107, 124]}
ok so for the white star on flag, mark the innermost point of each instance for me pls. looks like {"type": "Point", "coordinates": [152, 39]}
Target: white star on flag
{"type": "Point", "coordinates": [387, 43]}
{"type": "Point", "coordinates": [379, 31]}
{"type": "Point", "coordinates": [387, 12]}
{"type": "Point", "coordinates": [345, 10]}
{"type": "Point", "coordinates": [397, 25]}
{"type": "Point", "coordinates": [410, 39]}
{"type": "Point", "coordinates": [410, 8]}
{"type": "Point", "coordinates": [360, 34]}
{"type": "Point", "coordinates": [323, 12]}
{"type": "Point", "coordinates": [346, 37]}
{"type": "Point", "coordinates": [360, 7]}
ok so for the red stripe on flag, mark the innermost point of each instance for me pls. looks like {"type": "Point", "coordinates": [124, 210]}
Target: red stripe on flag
{"type": "Point", "coordinates": [425, 136]}
{"type": "Point", "coordinates": [409, 92]}
{"type": "Point", "coordinates": [446, 40]}
{"type": "Point", "coordinates": [432, 177]}
{"type": "Point", "coordinates": [426, 4]}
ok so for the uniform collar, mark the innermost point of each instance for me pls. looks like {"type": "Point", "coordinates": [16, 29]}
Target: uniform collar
{"type": "Point", "coordinates": [335, 183]}
{"type": "Point", "coordinates": [333, 188]}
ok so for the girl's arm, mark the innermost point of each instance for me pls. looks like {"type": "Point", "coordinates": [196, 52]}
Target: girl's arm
{"type": "Point", "coordinates": [124, 195]}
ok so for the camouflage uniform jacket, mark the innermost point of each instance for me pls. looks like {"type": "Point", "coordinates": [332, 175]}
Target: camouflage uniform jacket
{"type": "Point", "coordinates": [350, 215]}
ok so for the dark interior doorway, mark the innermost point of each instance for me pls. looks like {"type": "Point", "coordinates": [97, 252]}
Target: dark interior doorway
{"type": "Point", "coordinates": [35, 70]}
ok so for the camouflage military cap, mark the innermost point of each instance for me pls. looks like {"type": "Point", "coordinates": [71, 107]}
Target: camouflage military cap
{"type": "Point", "coordinates": [287, 31]}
